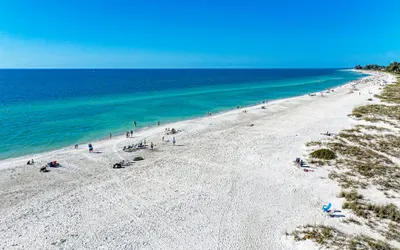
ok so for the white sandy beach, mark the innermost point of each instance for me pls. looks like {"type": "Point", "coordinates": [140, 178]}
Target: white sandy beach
{"type": "Point", "coordinates": [224, 185]}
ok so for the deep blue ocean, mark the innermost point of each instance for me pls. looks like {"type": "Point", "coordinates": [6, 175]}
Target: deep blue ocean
{"type": "Point", "coordinates": [49, 109]}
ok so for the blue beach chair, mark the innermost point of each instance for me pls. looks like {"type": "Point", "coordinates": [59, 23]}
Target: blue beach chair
{"type": "Point", "coordinates": [326, 208]}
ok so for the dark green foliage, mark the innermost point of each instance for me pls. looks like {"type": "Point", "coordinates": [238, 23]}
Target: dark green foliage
{"type": "Point", "coordinates": [323, 153]}
{"type": "Point", "coordinates": [393, 67]}
{"type": "Point", "coordinates": [370, 67]}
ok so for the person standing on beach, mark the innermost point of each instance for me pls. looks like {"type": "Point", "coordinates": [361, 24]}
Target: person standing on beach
{"type": "Point", "coordinates": [76, 146]}
{"type": "Point", "coordinates": [151, 145]}
{"type": "Point", "coordinates": [173, 140]}
{"type": "Point", "coordinates": [134, 122]}
{"type": "Point", "coordinates": [110, 135]}
{"type": "Point", "coordinates": [209, 113]}
{"type": "Point", "coordinates": [90, 147]}
{"type": "Point", "coordinates": [158, 123]}
{"type": "Point", "coordinates": [131, 133]}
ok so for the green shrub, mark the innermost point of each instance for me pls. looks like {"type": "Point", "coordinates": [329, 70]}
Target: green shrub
{"type": "Point", "coordinates": [323, 153]}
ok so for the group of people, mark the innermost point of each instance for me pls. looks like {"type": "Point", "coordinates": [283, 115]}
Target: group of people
{"type": "Point", "coordinates": [30, 162]}
{"type": "Point", "coordinates": [140, 145]}
{"type": "Point", "coordinates": [129, 133]}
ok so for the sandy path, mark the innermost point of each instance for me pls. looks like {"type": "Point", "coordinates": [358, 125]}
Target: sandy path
{"type": "Point", "coordinates": [225, 185]}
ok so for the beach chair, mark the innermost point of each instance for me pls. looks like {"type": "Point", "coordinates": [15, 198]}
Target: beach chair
{"type": "Point", "coordinates": [303, 164]}
{"type": "Point", "coordinates": [326, 208]}
{"type": "Point", "coordinates": [53, 164]}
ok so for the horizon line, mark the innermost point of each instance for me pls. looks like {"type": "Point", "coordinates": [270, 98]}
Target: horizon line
{"type": "Point", "coordinates": [216, 68]}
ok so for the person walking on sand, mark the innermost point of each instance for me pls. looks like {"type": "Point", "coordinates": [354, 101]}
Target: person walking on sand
{"type": "Point", "coordinates": [173, 140]}
{"type": "Point", "coordinates": [134, 122]}
{"type": "Point", "coordinates": [76, 146]}
{"type": "Point", "coordinates": [110, 135]}
{"type": "Point", "coordinates": [151, 145]}
{"type": "Point", "coordinates": [144, 142]}
{"type": "Point", "coordinates": [131, 133]}
{"type": "Point", "coordinates": [90, 148]}
{"type": "Point", "coordinates": [158, 123]}
{"type": "Point", "coordinates": [209, 113]}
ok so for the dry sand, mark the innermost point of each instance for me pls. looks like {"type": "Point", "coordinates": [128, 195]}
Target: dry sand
{"type": "Point", "coordinates": [224, 185]}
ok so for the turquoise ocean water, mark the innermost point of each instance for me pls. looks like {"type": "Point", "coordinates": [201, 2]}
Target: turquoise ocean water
{"type": "Point", "coordinates": [43, 110]}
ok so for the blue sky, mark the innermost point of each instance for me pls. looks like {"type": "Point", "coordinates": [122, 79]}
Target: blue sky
{"type": "Point", "coordinates": [187, 34]}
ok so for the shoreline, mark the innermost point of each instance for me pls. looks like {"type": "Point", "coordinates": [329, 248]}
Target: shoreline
{"type": "Point", "coordinates": [136, 131]}
{"type": "Point", "coordinates": [225, 184]}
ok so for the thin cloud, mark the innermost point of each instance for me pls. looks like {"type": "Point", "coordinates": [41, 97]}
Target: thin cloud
{"type": "Point", "coordinates": [19, 53]}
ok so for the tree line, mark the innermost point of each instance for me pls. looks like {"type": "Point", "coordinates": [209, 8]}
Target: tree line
{"type": "Point", "coordinates": [393, 67]}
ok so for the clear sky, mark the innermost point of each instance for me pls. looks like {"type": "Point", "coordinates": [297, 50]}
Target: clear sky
{"type": "Point", "coordinates": [206, 33]}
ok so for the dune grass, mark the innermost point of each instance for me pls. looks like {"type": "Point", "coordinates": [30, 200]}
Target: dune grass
{"type": "Point", "coordinates": [359, 160]}
{"type": "Point", "coordinates": [393, 232]}
{"type": "Point", "coordinates": [355, 202]}
{"type": "Point", "coordinates": [391, 93]}
{"type": "Point", "coordinates": [363, 156]}
{"type": "Point", "coordinates": [378, 111]}
{"type": "Point", "coordinates": [333, 238]}
{"type": "Point", "coordinates": [313, 143]}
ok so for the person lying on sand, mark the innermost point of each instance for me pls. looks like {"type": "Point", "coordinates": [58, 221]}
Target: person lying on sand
{"type": "Point", "coordinates": [117, 165]}
{"type": "Point", "coordinates": [44, 169]}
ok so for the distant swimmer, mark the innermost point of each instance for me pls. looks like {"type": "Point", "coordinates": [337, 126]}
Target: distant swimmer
{"type": "Point", "coordinates": [134, 122]}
